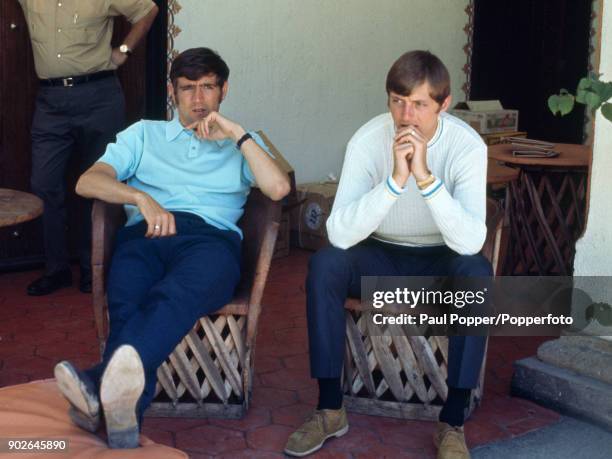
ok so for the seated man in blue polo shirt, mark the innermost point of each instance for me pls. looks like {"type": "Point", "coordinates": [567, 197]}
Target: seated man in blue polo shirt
{"type": "Point", "coordinates": [184, 184]}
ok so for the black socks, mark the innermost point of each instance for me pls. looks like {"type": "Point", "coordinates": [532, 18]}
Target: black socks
{"type": "Point", "coordinates": [330, 394]}
{"type": "Point", "coordinates": [453, 411]}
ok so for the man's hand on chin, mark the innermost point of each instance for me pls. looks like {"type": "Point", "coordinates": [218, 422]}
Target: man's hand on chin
{"type": "Point", "coordinates": [216, 127]}
{"type": "Point", "coordinates": [418, 162]}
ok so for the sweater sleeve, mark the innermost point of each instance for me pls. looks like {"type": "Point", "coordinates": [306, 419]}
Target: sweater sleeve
{"type": "Point", "coordinates": [461, 216]}
{"type": "Point", "coordinates": [360, 204]}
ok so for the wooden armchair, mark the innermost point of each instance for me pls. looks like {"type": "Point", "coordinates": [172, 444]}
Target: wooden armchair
{"type": "Point", "coordinates": [387, 373]}
{"type": "Point", "coordinates": [209, 374]}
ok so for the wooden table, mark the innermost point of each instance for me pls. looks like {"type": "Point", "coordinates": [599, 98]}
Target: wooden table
{"type": "Point", "coordinates": [499, 174]}
{"type": "Point", "coordinates": [546, 208]}
{"type": "Point", "coordinates": [18, 207]}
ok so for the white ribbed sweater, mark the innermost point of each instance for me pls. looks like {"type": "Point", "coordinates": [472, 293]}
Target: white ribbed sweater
{"type": "Point", "coordinates": [451, 211]}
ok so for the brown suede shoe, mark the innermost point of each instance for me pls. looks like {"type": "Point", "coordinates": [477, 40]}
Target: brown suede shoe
{"type": "Point", "coordinates": [450, 442]}
{"type": "Point", "coordinates": [322, 425]}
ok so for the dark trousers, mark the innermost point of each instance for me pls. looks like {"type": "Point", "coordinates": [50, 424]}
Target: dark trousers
{"type": "Point", "coordinates": [158, 288]}
{"type": "Point", "coordinates": [334, 274]}
{"type": "Point", "coordinates": [83, 118]}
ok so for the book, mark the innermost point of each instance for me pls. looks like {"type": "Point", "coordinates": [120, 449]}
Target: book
{"type": "Point", "coordinates": [534, 154]}
{"type": "Point", "coordinates": [530, 148]}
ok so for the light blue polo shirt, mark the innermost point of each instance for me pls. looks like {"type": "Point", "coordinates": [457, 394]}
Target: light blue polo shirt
{"type": "Point", "coordinates": [211, 179]}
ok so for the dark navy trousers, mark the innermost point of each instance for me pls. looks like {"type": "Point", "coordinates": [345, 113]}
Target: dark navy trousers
{"type": "Point", "coordinates": [158, 288]}
{"type": "Point", "coordinates": [335, 274]}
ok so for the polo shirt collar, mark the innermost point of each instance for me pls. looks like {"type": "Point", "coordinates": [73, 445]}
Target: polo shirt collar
{"type": "Point", "coordinates": [173, 129]}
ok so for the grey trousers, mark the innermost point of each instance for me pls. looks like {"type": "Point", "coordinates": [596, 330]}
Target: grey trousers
{"type": "Point", "coordinates": [80, 120]}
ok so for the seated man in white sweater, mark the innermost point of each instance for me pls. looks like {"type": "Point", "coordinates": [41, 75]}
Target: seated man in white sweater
{"type": "Point", "coordinates": [411, 202]}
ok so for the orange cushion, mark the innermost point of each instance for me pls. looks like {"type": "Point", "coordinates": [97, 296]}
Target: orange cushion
{"type": "Point", "coordinates": [38, 410]}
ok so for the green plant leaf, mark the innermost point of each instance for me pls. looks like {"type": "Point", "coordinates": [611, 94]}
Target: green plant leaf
{"type": "Point", "coordinates": [581, 96]}
{"type": "Point", "coordinates": [584, 83]}
{"type": "Point", "coordinates": [553, 104]}
{"type": "Point", "coordinates": [607, 91]}
{"type": "Point", "coordinates": [606, 111]}
{"type": "Point", "coordinates": [592, 100]}
{"type": "Point", "coordinates": [561, 104]}
{"type": "Point", "coordinates": [566, 104]}
{"type": "Point", "coordinates": [599, 87]}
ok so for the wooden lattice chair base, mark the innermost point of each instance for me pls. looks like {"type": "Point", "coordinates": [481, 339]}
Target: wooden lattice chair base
{"type": "Point", "coordinates": [388, 373]}
{"type": "Point", "coordinates": [210, 372]}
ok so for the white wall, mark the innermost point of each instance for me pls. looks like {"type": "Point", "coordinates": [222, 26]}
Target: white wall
{"type": "Point", "coordinates": [310, 72]}
{"type": "Point", "coordinates": [594, 249]}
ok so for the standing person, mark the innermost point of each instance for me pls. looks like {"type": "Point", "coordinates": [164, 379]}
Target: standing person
{"type": "Point", "coordinates": [79, 106]}
{"type": "Point", "coordinates": [411, 202]}
{"type": "Point", "coordinates": [178, 257]}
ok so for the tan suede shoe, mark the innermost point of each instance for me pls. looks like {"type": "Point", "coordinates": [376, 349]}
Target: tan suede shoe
{"type": "Point", "coordinates": [450, 442]}
{"type": "Point", "coordinates": [322, 425]}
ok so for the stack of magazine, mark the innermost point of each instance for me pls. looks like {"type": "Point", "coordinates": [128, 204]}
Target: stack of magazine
{"type": "Point", "coordinates": [529, 148]}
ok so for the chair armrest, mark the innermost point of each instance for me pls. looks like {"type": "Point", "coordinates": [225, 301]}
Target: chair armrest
{"type": "Point", "coordinates": [259, 225]}
{"type": "Point", "coordinates": [105, 220]}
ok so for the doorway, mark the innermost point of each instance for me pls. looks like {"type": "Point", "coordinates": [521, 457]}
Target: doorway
{"type": "Point", "coordinates": [526, 50]}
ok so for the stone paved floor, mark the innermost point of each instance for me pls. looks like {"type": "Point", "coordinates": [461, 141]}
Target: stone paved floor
{"type": "Point", "coordinates": [37, 332]}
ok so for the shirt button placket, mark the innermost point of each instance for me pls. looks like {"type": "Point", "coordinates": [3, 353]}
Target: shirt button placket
{"type": "Point", "coordinates": [193, 149]}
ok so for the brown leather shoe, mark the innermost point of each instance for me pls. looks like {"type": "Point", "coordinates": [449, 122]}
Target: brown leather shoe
{"type": "Point", "coordinates": [450, 442]}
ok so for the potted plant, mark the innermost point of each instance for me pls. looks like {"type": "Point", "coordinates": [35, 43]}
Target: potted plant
{"type": "Point", "coordinates": [591, 92]}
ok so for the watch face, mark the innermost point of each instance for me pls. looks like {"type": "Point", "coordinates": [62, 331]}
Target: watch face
{"type": "Point", "coordinates": [123, 48]}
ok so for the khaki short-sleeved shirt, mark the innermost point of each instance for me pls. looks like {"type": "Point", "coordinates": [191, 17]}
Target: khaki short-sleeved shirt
{"type": "Point", "coordinates": [72, 37]}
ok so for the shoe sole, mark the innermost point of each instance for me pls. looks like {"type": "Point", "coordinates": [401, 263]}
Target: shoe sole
{"type": "Point", "coordinates": [85, 409]}
{"type": "Point", "coordinates": [88, 423]}
{"type": "Point", "coordinates": [337, 434]}
{"type": "Point", "coordinates": [121, 387]}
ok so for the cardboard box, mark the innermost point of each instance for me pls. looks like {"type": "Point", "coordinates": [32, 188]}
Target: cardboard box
{"type": "Point", "coordinates": [486, 116]}
{"type": "Point", "coordinates": [498, 137]}
{"type": "Point", "coordinates": [308, 229]}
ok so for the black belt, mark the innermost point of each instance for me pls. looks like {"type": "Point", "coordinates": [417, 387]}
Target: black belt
{"type": "Point", "coordinates": [71, 81]}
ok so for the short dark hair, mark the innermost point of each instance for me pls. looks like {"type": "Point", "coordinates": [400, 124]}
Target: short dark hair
{"type": "Point", "coordinates": [194, 63]}
{"type": "Point", "coordinates": [415, 68]}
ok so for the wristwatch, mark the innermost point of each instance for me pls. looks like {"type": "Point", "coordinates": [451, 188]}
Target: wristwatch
{"type": "Point", "coordinates": [125, 49]}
